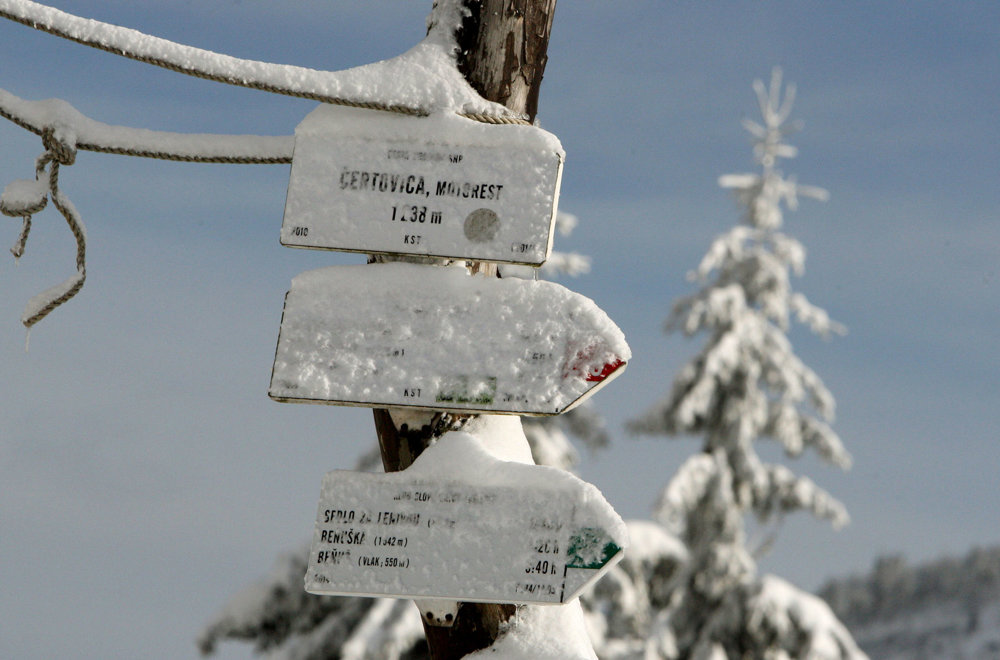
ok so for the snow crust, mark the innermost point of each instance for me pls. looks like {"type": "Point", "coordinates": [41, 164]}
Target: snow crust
{"type": "Point", "coordinates": [425, 77]}
{"type": "Point", "coordinates": [502, 436]}
{"type": "Point", "coordinates": [439, 127]}
{"type": "Point", "coordinates": [542, 633]}
{"type": "Point", "coordinates": [470, 457]}
{"type": "Point", "coordinates": [465, 457]}
{"type": "Point", "coordinates": [399, 334]}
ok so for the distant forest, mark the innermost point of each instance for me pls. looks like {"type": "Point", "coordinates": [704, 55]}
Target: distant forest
{"type": "Point", "coordinates": [893, 588]}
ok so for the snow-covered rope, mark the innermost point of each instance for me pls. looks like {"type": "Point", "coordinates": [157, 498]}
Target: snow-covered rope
{"type": "Point", "coordinates": [337, 88]}
{"type": "Point", "coordinates": [64, 130]}
{"type": "Point", "coordinates": [422, 80]}
{"type": "Point", "coordinates": [91, 135]}
{"type": "Point", "coordinates": [25, 198]}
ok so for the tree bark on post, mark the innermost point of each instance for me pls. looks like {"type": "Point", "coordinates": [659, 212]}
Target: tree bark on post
{"type": "Point", "coordinates": [503, 47]}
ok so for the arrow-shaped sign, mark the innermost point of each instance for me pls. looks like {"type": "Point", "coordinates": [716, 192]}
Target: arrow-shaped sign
{"type": "Point", "coordinates": [406, 335]}
{"type": "Point", "coordinates": [501, 532]}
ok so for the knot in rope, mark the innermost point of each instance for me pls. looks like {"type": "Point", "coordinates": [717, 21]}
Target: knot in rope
{"type": "Point", "coordinates": [24, 198]}
{"type": "Point", "coordinates": [60, 143]}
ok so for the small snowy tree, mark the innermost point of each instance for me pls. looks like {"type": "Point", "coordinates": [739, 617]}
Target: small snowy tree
{"type": "Point", "coordinates": [744, 385]}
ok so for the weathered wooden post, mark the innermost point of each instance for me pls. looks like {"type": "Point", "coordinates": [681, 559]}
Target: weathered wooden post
{"type": "Point", "coordinates": [504, 46]}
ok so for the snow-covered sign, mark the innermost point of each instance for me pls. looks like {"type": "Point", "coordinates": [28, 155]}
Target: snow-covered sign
{"type": "Point", "coordinates": [445, 186]}
{"type": "Point", "coordinates": [406, 335]}
{"type": "Point", "coordinates": [461, 525]}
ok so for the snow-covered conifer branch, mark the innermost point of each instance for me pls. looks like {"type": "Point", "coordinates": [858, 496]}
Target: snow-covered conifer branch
{"type": "Point", "coordinates": [284, 621]}
{"type": "Point", "coordinates": [787, 492]}
{"type": "Point", "coordinates": [803, 624]}
{"type": "Point", "coordinates": [684, 491]}
{"type": "Point", "coordinates": [815, 317]}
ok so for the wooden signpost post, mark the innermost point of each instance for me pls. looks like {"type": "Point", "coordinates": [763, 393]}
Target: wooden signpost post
{"type": "Point", "coordinates": [426, 337]}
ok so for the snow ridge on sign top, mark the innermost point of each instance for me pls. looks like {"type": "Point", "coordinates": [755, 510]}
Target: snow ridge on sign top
{"type": "Point", "coordinates": [407, 335]}
{"type": "Point", "coordinates": [444, 186]}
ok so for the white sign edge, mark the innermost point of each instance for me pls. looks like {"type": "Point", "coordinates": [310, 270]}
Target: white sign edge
{"type": "Point", "coordinates": [598, 574]}
{"type": "Point", "coordinates": [481, 411]}
{"type": "Point", "coordinates": [561, 158]}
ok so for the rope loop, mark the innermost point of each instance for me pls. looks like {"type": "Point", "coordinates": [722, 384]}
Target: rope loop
{"type": "Point", "coordinates": [25, 198]}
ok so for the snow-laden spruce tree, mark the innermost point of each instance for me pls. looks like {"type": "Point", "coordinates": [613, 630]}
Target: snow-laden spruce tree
{"type": "Point", "coordinates": [745, 385]}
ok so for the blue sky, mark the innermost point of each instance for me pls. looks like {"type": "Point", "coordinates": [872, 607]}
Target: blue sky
{"type": "Point", "coordinates": [146, 476]}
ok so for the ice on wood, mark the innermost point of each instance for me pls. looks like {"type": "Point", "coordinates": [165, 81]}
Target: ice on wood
{"type": "Point", "coordinates": [461, 524]}
{"type": "Point", "coordinates": [445, 186]}
{"type": "Point", "coordinates": [396, 335]}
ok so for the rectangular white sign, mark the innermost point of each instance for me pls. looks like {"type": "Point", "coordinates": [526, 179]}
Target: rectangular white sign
{"type": "Point", "coordinates": [382, 535]}
{"type": "Point", "coordinates": [442, 186]}
{"type": "Point", "coordinates": [407, 335]}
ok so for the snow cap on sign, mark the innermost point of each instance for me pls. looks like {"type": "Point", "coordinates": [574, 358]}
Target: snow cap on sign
{"type": "Point", "coordinates": [462, 457]}
{"type": "Point", "coordinates": [440, 127]}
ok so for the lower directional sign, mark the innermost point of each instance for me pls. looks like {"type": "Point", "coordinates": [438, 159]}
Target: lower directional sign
{"type": "Point", "coordinates": [503, 532]}
{"type": "Point", "coordinates": [407, 335]}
